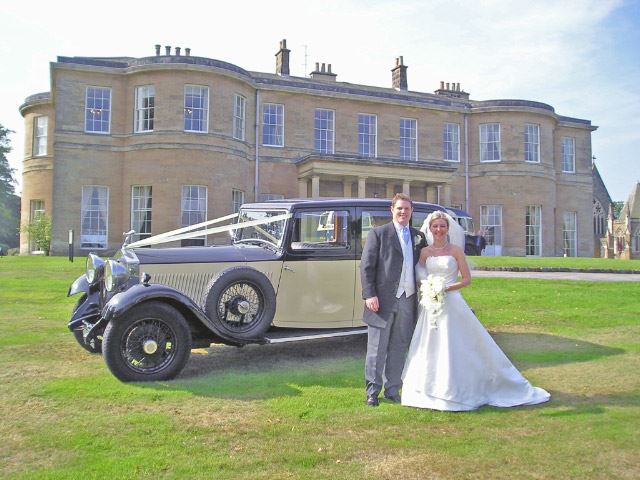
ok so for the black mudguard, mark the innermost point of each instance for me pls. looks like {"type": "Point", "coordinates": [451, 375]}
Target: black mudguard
{"type": "Point", "coordinates": [122, 302]}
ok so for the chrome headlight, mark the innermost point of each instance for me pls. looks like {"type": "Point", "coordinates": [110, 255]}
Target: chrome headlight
{"type": "Point", "coordinates": [115, 275]}
{"type": "Point", "coordinates": [95, 268]}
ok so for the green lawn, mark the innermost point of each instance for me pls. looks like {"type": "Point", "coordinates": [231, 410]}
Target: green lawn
{"type": "Point", "coordinates": [556, 262]}
{"type": "Point", "coordinates": [297, 411]}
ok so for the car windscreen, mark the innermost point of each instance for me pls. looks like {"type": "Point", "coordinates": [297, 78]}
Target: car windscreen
{"type": "Point", "coordinates": [269, 231]}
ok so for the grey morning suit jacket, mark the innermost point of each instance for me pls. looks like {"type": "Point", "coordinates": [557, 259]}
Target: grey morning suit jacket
{"type": "Point", "coordinates": [381, 268]}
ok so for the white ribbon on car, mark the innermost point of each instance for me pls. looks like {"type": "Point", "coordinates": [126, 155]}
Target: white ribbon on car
{"type": "Point", "coordinates": [181, 233]}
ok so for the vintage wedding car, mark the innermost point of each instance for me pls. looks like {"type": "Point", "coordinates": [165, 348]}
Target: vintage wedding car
{"type": "Point", "coordinates": [290, 272]}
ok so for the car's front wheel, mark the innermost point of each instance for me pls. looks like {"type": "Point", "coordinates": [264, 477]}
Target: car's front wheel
{"type": "Point", "coordinates": [152, 341]}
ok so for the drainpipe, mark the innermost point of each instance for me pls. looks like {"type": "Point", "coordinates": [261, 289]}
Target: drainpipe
{"type": "Point", "coordinates": [256, 187]}
{"type": "Point", "coordinates": [466, 162]}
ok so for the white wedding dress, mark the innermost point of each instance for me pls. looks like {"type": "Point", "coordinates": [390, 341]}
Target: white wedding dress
{"type": "Point", "coordinates": [453, 363]}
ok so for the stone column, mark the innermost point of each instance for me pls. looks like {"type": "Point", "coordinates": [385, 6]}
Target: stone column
{"type": "Point", "coordinates": [302, 187]}
{"type": "Point", "coordinates": [362, 187]}
{"type": "Point", "coordinates": [406, 187]}
{"type": "Point", "coordinates": [315, 186]}
{"type": "Point", "coordinates": [391, 187]}
{"type": "Point", "coordinates": [346, 188]}
{"type": "Point", "coordinates": [445, 195]}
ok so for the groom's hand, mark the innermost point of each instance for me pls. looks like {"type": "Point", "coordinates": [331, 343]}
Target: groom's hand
{"type": "Point", "coordinates": [372, 304]}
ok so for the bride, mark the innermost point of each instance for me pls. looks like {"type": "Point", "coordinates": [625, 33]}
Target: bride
{"type": "Point", "coordinates": [453, 363]}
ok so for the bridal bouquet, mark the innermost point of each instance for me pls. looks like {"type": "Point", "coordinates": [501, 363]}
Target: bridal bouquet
{"type": "Point", "coordinates": [432, 295]}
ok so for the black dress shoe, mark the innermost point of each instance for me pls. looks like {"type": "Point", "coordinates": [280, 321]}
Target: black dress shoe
{"type": "Point", "coordinates": [372, 400]}
{"type": "Point", "coordinates": [393, 398]}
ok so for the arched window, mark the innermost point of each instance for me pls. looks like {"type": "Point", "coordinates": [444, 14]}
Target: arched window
{"type": "Point", "coordinates": [599, 218]}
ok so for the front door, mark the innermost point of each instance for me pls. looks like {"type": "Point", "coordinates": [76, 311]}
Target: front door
{"type": "Point", "coordinates": [316, 287]}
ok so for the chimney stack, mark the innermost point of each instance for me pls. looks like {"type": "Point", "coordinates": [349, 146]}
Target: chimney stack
{"type": "Point", "coordinates": [167, 50]}
{"type": "Point", "coordinates": [451, 90]}
{"type": "Point", "coordinates": [177, 51]}
{"type": "Point", "coordinates": [157, 50]}
{"type": "Point", "coordinates": [187, 51]}
{"type": "Point", "coordinates": [282, 59]}
{"type": "Point", "coordinates": [323, 73]}
{"type": "Point", "coordinates": [399, 75]}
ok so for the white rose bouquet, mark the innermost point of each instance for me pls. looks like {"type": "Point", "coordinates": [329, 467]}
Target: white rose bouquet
{"type": "Point", "coordinates": [432, 296]}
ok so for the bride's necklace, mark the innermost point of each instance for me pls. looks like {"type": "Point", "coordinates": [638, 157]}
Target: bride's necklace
{"type": "Point", "coordinates": [439, 248]}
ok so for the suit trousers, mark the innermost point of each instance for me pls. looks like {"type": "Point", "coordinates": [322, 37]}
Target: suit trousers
{"type": "Point", "coordinates": [387, 349]}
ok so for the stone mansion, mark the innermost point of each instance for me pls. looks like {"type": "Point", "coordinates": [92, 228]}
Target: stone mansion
{"type": "Point", "coordinates": [160, 142]}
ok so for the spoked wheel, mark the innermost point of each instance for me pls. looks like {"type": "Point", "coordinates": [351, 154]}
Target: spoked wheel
{"type": "Point", "coordinates": [152, 342]}
{"type": "Point", "coordinates": [241, 302]}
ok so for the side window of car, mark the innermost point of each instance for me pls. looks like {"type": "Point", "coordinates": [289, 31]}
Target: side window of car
{"type": "Point", "coordinates": [372, 219]}
{"type": "Point", "coordinates": [328, 229]}
{"type": "Point", "coordinates": [418, 218]}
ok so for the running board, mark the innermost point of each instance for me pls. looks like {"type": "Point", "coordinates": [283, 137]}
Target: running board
{"type": "Point", "coordinates": [283, 335]}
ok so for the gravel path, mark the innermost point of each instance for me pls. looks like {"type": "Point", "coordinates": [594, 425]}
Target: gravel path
{"type": "Point", "coordinates": [588, 276]}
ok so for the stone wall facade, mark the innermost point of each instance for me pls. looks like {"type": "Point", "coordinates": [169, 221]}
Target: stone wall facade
{"type": "Point", "coordinates": [167, 157]}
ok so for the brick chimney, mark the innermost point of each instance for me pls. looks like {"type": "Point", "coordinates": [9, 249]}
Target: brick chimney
{"type": "Point", "coordinates": [282, 59]}
{"type": "Point", "coordinates": [323, 73]}
{"type": "Point", "coordinates": [451, 90]}
{"type": "Point", "coordinates": [399, 75]}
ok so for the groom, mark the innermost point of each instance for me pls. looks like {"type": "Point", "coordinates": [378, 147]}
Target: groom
{"type": "Point", "coordinates": [389, 290]}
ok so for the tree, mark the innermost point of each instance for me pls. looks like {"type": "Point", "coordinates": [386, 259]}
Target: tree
{"type": "Point", "coordinates": [9, 201]}
{"type": "Point", "coordinates": [39, 231]}
{"type": "Point", "coordinates": [617, 209]}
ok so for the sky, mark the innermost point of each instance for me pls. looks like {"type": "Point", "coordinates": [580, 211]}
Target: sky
{"type": "Point", "coordinates": [580, 56]}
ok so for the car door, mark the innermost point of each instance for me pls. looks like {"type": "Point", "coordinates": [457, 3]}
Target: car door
{"type": "Point", "coordinates": [368, 219]}
{"type": "Point", "coordinates": [316, 287]}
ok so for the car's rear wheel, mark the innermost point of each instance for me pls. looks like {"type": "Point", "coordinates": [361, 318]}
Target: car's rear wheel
{"type": "Point", "coordinates": [150, 342]}
{"type": "Point", "coordinates": [241, 302]}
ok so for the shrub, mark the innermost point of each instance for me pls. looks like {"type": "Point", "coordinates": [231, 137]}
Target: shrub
{"type": "Point", "coordinates": [39, 231]}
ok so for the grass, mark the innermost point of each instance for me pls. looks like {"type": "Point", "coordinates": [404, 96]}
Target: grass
{"type": "Point", "coordinates": [557, 262]}
{"type": "Point", "coordinates": [297, 411]}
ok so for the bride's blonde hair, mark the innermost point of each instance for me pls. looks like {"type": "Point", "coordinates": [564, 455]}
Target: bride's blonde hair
{"type": "Point", "coordinates": [438, 214]}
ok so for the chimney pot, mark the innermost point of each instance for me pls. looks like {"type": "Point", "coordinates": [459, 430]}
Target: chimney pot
{"type": "Point", "coordinates": [178, 51]}
{"type": "Point", "coordinates": [323, 70]}
{"type": "Point", "coordinates": [157, 50]}
{"type": "Point", "coordinates": [329, 68]}
{"type": "Point", "coordinates": [187, 51]}
{"type": "Point", "coordinates": [167, 50]}
{"type": "Point", "coordinates": [447, 85]}
{"type": "Point", "coordinates": [441, 85]}
{"type": "Point", "coordinates": [317, 66]}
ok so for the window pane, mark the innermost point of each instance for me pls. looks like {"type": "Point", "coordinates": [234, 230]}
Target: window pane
{"type": "Point", "coordinates": [97, 110]}
{"type": "Point", "coordinates": [532, 143]}
{"type": "Point", "coordinates": [194, 210]}
{"type": "Point", "coordinates": [40, 135]}
{"type": "Point", "coordinates": [94, 217]}
{"type": "Point", "coordinates": [408, 139]}
{"type": "Point", "coordinates": [239, 111]}
{"type": "Point", "coordinates": [568, 155]}
{"type": "Point", "coordinates": [367, 133]}
{"type": "Point", "coordinates": [533, 230]}
{"type": "Point", "coordinates": [490, 142]}
{"type": "Point", "coordinates": [145, 108]}
{"type": "Point", "coordinates": [196, 108]}
{"type": "Point", "coordinates": [273, 124]}
{"type": "Point", "coordinates": [141, 203]}
{"type": "Point", "coordinates": [451, 142]}
{"type": "Point", "coordinates": [312, 230]}
{"type": "Point", "coordinates": [570, 234]}
{"type": "Point", "coordinates": [324, 131]}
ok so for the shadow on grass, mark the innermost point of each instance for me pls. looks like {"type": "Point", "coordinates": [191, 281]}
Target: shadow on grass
{"type": "Point", "coordinates": [268, 371]}
{"type": "Point", "coordinates": [530, 350]}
